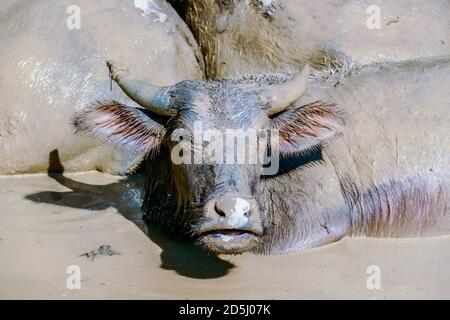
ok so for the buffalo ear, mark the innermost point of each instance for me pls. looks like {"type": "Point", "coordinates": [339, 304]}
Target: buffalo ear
{"type": "Point", "coordinates": [128, 128]}
{"type": "Point", "coordinates": [307, 126]}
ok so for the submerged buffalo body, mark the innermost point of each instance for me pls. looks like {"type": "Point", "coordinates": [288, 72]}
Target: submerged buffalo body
{"type": "Point", "coordinates": [248, 36]}
{"type": "Point", "coordinates": [364, 152]}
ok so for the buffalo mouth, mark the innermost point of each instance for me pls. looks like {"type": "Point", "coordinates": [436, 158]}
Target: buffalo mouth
{"type": "Point", "coordinates": [229, 241]}
{"type": "Point", "coordinates": [228, 232]}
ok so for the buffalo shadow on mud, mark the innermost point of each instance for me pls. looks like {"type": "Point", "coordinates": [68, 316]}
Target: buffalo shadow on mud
{"type": "Point", "coordinates": [179, 255]}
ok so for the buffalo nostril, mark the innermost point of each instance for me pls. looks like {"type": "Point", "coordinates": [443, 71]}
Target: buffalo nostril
{"type": "Point", "coordinates": [242, 207]}
{"type": "Point", "coordinates": [227, 207]}
{"type": "Point", "coordinates": [219, 211]}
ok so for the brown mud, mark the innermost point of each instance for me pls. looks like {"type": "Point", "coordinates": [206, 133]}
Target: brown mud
{"type": "Point", "coordinates": [48, 221]}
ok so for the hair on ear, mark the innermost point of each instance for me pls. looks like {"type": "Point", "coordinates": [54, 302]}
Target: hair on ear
{"type": "Point", "coordinates": [128, 128]}
{"type": "Point", "coordinates": [307, 126]}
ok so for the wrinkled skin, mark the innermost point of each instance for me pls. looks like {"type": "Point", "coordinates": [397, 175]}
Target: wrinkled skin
{"type": "Point", "coordinates": [255, 36]}
{"type": "Point", "coordinates": [370, 158]}
{"type": "Point", "coordinates": [50, 71]}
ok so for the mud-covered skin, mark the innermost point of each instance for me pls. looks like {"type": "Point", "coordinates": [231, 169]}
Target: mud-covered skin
{"type": "Point", "coordinates": [253, 36]}
{"type": "Point", "coordinates": [49, 71]}
{"type": "Point", "coordinates": [373, 164]}
{"type": "Point", "coordinates": [370, 181]}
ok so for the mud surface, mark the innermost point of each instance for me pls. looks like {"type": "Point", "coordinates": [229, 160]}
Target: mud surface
{"type": "Point", "coordinates": [46, 223]}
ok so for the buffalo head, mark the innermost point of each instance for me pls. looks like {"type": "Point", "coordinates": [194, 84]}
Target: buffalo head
{"type": "Point", "coordinates": [222, 137]}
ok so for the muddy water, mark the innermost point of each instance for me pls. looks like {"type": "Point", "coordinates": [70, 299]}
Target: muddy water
{"type": "Point", "coordinates": [47, 222]}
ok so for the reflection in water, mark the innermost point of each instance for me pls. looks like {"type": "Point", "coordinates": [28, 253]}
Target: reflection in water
{"type": "Point", "coordinates": [178, 255]}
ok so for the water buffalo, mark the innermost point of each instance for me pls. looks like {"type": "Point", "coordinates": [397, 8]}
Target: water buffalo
{"type": "Point", "coordinates": [50, 57]}
{"type": "Point", "coordinates": [364, 152]}
{"type": "Point", "coordinates": [248, 36]}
